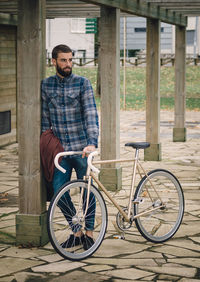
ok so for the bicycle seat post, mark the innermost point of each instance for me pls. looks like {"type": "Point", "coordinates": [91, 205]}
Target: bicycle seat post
{"type": "Point", "coordinates": [137, 154]}
{"type": "Point", "coordinates": [133, 181]}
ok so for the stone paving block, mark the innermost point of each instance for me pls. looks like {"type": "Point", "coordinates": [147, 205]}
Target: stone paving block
{"type": "Point", "coordinates": [194, 262]}
{"type": "Point", "coordinates": [8, 210]}
{"type": "Point", "coordinates": [51, 258]}
{"type": "Point", "coordinates": [184, 243]}
{"type": "Point", "coordinates": [196, 213]}
{"type": "Point", "coordinates": [172, 269]}
{"type": "Point", "coordinates": [96, 268]}
{"type": "Point", "coordinates": [113, 247]}
{"type": "Point", "coordinates": [25, 252]}
{"type": "Point", "coordinates": [196, 239]}
{"type": "Point", "coordinates": [150, 278]}
{"type": "Point", "coordinates": [9, 229]}
{"type": "Point", "coordinates": [192, 205]}
{"type": "Point", "coordinates": [121, 262]}
{"type": "Point", "coordinates": [188, 229]}
{"type": "Point", "coordinates": [6, 223]}
{"type": "Point", "coordinates": [77, 276]}
{"type": "Point", "coordinates": [191, 196]}
{"type": "Point", "coordinates": [9, 183]}
{"type": "Point", "coordinates": [164, 277]}
{"type": "Point", "coordinates": [27, 276]}
{"type": "Point", "coordinates": [176, 251]}
{"type": "Point", "coordinates": [7, 279]}
{"type": "Point", "coordinates": [145, 254]}
{"type": "Point", "coordinates": [11, 265]}
{"type": "Point", "coordinates": [128, 273]}
{"type": "Point", "coordinates": [61, 267]}
{"type": "Point", "coordinates": [188, 280]}
{"type": "Point", "coordinates": [190, 184]}
{"type": "Point", "coordinates": [189, 217]}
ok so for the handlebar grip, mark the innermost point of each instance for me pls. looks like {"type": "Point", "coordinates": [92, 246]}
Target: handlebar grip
{"type": "Point", "coordinates": [91, 166]}
{"type": "Point", "coordinates": [64, 154]}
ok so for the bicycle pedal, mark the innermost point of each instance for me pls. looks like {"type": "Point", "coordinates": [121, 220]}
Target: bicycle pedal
{"type": "Point", "coordinates": [138, 201]}
{"type": "Point", "coordinates": [119, 237]}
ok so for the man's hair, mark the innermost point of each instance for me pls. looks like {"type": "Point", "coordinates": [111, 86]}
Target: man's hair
{"type": "Point", "coordinates": [60, 49]}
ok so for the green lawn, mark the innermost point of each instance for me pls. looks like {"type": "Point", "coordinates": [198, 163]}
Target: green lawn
{"type": "Point", "coordinates": [135, 86]}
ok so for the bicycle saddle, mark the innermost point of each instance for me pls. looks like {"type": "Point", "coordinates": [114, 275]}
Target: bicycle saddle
{"type": "Point", "coordinates": [138, 145]}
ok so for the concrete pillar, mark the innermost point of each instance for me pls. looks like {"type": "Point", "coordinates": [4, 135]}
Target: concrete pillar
{"type": "Point", "coordinates": [110, 95]}
{"type": "Point", "coordinates": [31, 220]}
{"type": "Point", "coordinates": [179, 130]}
{"type": "Point", "coordinates": [153, 153]}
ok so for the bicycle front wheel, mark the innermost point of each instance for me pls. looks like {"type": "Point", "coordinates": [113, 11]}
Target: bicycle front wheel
{"type": "Point", "coordinates": [160, 205]}
{"type": "Point", "coordinates": [69, 213]}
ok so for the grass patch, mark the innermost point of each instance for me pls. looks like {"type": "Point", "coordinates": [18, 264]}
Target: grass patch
{"type": "Point", "coordinates": [136, 88]}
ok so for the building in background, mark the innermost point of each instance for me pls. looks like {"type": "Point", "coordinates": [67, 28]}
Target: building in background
{"type": "Point", "coordinates": [135, 28]}
{"type": "Point", "coordinates": [193, 36]}
{"type": "Point", "coordinates": [136, 36]}
{"type": "Point", "coordinates": [72, 32]}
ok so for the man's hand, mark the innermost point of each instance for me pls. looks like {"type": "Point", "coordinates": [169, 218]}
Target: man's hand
{"type": "Point", "coordinates": [88, 149]}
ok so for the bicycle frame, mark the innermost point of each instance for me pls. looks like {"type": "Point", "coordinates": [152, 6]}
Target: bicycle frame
{"type": "Point", "coordinates": [136, 166]}
{"type": "Point", "coordinates": [90, 175]}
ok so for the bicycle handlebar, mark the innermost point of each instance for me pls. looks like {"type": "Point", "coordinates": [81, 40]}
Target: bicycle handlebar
{"type": "Point", "coordinates": [70, 153]}
{"type": "Point", "coordinates": [91, 166]}
{"type": "Point", "coordinates": [62, 154]}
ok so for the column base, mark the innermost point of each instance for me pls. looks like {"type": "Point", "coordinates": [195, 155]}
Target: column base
{"type": "Point", "coordinates": [153, 153]}
{"type": "Point", "coordinates": [179, 134]}
{"type": "Point", "coordinates": [111, 178]}
{"type": "Point", "coordinates": [31, 230]}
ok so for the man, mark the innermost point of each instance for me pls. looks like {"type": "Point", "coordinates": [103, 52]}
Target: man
{"type": "Point", "coordinates": [69, 109]}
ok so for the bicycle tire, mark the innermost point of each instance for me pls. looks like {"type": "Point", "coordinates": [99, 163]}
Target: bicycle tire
{"type": "Point", "coordinates": [160, 225]}
{"type": "Point", "coordinates": [59, 228]}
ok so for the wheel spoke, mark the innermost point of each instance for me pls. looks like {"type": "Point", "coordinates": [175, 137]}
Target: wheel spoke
{"type": "Point", "coordinates": [160, 224]}
{"type": "Point", "coordinates": [67, 215]}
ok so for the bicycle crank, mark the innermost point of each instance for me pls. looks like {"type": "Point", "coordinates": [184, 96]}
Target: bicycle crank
{"type": "Point", "coordinates": [121, 222]}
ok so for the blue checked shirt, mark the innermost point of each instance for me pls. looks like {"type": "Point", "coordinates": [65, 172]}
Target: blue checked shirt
{"type": "Point", "coordinates": [68, 107]}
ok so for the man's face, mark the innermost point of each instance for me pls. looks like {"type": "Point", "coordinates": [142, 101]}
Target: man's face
{"type": "Point", "coordinates": [63, 64]}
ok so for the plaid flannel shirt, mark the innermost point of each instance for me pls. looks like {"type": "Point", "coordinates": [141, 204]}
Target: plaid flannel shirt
{"type": "Point", "coordinates": [68, 107]}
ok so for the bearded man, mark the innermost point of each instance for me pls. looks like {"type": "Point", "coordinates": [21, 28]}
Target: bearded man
{"type": "Point", "coordinates": [69, 110]}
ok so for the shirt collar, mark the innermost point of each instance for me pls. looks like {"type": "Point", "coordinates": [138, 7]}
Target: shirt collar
{"type": "Point", "coordinates": [64, 79]}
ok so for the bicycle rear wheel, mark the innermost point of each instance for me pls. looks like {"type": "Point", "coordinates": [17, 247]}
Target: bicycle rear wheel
{"type": "Point", "coordinates": [165, 205]}
{"type": "Point", "coordinates": [66, 216]}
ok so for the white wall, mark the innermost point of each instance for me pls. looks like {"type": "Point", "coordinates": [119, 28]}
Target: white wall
{"type": "Point", "coordinates": [59, 31]}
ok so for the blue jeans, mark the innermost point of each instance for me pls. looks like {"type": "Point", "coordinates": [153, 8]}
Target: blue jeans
{"type": "Point", "coordinates": [65, 203]}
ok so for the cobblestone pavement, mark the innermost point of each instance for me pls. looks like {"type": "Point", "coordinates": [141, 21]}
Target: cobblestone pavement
{"type": "Point", "coordinates": [132, 259]}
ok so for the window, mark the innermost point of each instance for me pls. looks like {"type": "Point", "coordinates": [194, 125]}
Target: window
{"type": "Point", "coordinates": [140, 29]}
{"type": "Point", "coordinates": [5, 122]}
{"type": "Point", "coordinates": [190, 37]}
{"type": "Point", "coordinates": [78, 25]}
{"type": "Point", "coordinates": [143, 29]}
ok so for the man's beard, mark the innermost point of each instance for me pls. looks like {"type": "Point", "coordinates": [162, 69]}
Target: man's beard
{"type": "Point", "coordinates": [62, 72]}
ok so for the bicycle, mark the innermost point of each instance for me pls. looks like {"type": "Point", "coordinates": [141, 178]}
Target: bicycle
{"type": "Point", "coordinates": [156, 206]}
